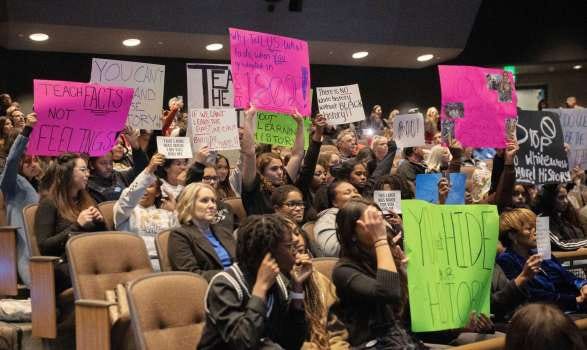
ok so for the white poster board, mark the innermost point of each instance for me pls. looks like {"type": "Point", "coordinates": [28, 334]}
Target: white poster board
{"type": "Point", "coordinates": [408, 130]}
{"type": "Point", "coordinates": [543, 237]}
{"type": "Point", "coordinates": [174, 147]}
{"type": "Point", "coordinates": [340, 104]}
{"type": "Point", "coordinates": [216, 128]}
{"type": "Point", "coordinates": [209, 86]}
{"type": "Point", "coordinates": [147, 80]}
{"type": "Point", "coordinates": [388, 200]}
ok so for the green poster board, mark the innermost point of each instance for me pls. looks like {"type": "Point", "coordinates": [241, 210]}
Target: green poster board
{"type": "Point", "coordinates": [451, 251]}
{"type": "Point", "coordinates": [280, 129]}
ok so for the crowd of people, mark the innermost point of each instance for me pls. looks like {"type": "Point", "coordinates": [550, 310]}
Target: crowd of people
{"type": "Point", "coordinates": [263, 290]}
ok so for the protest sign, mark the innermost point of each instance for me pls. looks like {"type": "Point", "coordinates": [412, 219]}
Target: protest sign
{"type": "Point", "coordinates": [209, 86]}
{"type": "Point", "coordinates": [574, 124]}
{"type": "Point", "coordinates": [475, 103]}
{"type": "Point", "coordinates": [408, 130]}
{"type": "Point", "coordinates": [174, 147]}
{"type": "Point", "coordinates": [216, 128]}
{"type": "Point", "coordinates": [77, 117]}
{"type": "Point", "coordinates": [280, 129]}
{"type": "Point", "coordinates": [388, 200]}
{"type": "Point", "coordinates": [147, 80]}
{"type": "Point", "coordinates": [543, 236]}
{"type": "Point", "coordinates": [427, 188]}
{"type": "Point", "coordinates": [271, 72]}
{"type": "Point", "coordinates": [452, 253]}
{"type": "Point", "coordinates": [340, 104]}
{"type": "Point", "coordinates": [541, 158]}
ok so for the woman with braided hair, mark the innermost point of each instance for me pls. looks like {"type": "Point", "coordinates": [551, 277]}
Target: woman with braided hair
{"type": "Point", "coordinates": [258, 303]}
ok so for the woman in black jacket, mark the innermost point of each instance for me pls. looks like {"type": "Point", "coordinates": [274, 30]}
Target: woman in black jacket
{"type": "Point", "coordinates": [200, 245]}
{"type": "Point", "coordinates": [253, 305]}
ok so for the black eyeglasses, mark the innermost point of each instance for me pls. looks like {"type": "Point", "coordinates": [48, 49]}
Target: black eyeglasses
{"type": "Point", "coordinates": [294, 204]}
{"type": "Point", "coordinates": [210, 178]}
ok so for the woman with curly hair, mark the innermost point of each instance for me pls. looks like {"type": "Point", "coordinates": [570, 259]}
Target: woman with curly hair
{"type": "Point", "coordinates": [253, 304]}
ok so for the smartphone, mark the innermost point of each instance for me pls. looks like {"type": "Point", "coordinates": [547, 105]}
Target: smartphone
{"type": "Point", "coordinates": [211, 159]}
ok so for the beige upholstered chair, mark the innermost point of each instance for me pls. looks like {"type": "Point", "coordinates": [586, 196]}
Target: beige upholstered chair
{"type": "Point", "coordinates": [161, 243]}
{"type": "Point", "coordinates": [107, 211]}
{"type": "Point", "coordinates": [100, 263]}
{"type": "Point", "coordinates": [167, 318]}
{"type": "Point", "coordinates": [325, 265]}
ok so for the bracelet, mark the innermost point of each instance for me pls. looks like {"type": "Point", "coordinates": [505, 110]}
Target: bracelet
{"type": "Point", "coordinates": [378, 244]}
{"type": "Point", "coordinates": [296, 296]}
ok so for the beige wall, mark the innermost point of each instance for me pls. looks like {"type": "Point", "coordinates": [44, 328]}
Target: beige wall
{"type": "Point", "coordinates": [560, 85]}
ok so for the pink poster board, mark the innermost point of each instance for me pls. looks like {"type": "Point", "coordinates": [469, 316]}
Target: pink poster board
{"type": "Point", "coordinates": [77, 117]}
{"type": "Point", "coordinates": [476, 103]}
{"type": "Point", "coordinates": [270, 71]}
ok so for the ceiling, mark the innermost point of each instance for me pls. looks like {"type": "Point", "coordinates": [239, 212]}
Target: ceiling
{"type": "Point", "coordinates": [394, 32]}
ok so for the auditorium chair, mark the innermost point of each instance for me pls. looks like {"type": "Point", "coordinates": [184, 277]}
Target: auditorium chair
{"type": "Point", "coordinates": [107, 211]}
{"type": "Point", "coordinates": [325, 265]}
{"type": "Point", "coordinates": [236, 204]}
{"type": "Point", "coordinates": [161, 243]}
{"type": "Point", "coordinates": [45, 304]}
{"type": "Point", "coordinates": [8, 254]}
{"type": "Point", "coordinates": [167, 318]}
{"type": "Point", "coordinates": [101, 263]}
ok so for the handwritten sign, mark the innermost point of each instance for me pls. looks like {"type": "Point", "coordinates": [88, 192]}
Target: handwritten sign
{"type": "Point", "coordinates": [408, 130]}
{"type": "Point", "coordinates": [77, 117]}
{"type": "Point", "coordinates": [209, 85]}
{"type": "Point", "coordinates": [452, 253]}
{"type": "Point", "coordinates": [388, 200]}
{"type": "Point", "coordinates": [475, 103]}
{"type": "Point", "coordinates": [340, 104]}
{"type": "Point", "coordinates": [270, 71]}
{"type": "Point", "coordinates": [574, 124]}
{"type": "Point", "coordinates": [543, 236]}
{"type": "Point", "coordinates": [147, 80]}
{"type": "Point", "coordinates": [541, 158]}
{"type": "Point", "coordinates": [280, 129]}
{"type": "Point", "coordinates": [174, 147]}
{"type": "Point", "coordinates": [216, 128]}
{"type": "Point", "coordinates": [427, 188]}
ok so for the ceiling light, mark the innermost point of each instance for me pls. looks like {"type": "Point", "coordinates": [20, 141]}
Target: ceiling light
{"type": "Point", "coordinates": [131, 42]}
{"type": "Point", "coordinates": [360, 54]}
{"type": "Point", "coordinates": [39, 37]}
{"type": "Point", "coordinates": [424, 58]}
{"type": "Point", "coordinates": [214, 47]}
{"type": "Point", "coordinates": [578, 66]}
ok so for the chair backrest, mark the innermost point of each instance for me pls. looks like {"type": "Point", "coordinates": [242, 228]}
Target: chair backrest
{"type": "Point", "coordinates": [167, 310]}
{"type": "Point", "coordinates": [308, 227]}
{"type": "Point", "coordinates": [29, 212]}
{"type": "Point", "coordinates": [236, 204]}
{"type": "Point", "coordinates": [107, 211]}
{"type": "Point", "coordinates": [100, 261]}
{"type": "Point", "coordinates": [161, 243]}
{"type": "Point", "coordinates": [325, 265]}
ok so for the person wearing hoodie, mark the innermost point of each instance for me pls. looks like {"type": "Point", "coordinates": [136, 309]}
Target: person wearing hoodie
{"type": "Point", "coordinates": [338, 194]}
{"type": "Point", "coordinates": [19, 192]}
{"type": "Point", "coordinates": [142, 209]}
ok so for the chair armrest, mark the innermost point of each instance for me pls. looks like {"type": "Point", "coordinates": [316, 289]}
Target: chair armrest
{"type": "Point", "coordinates": [43, 301]}
{"type": "Point", "coordinates": [489, 344]}
{"type": "Point", "coordinates": [92, 324]}
{"type": "Point", "coordinates": [8, 261]}
{"type": "Point", "coordinates": [578, 254]}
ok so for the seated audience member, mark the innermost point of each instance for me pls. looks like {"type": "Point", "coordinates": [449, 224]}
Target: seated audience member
{"type": "Point", "coordinates": [329, 160]}
{"type": "Point", "coordinates": [543, 327]}
{"type": "Point", "coordinates": [325, 330]}
{"type": "Point", "coordinates": [337, 195]}
{"type": "Point", "coordinates": [105, 183]}
{"type": "Point", "coordinates": [173, 176]}
{"type": "Point", "coordinates": [229, 180]}
{"type": "Point", "coordinates": [199, 245]}
{"type": "Point", "coordinates": [372, 294]}
{"type": "Point", "coordinates": [6, 135]}
{"type": "Point", "coordinates": [142, 209]}
{"type": "Point", "coordinates": [67, 210]}
{"type": "Point", "coordinates": [253, 304]}
{"type": "Point", "coordinates": [438, 160]}
{"type": "Point", "coordinates": [566, 231]}
{"type": "Point", "coordinates": [373, 124]}
{"type": "Point", "coordinates": [5, 103]}
{"type": "Point", "coordinates": [18, 182]}
{"type": "Point", "coordinates": [17, 118]}
{"type": "Point", "coordinates": [288, 201]}
{"type": "Point", "coordinates": [553, 284]}
{"type": "Point", "coordinates": [393, 183]}
{"type": "Point", "coordinates": [267, 172]}
{"type": "Point", "coordinates": [431, 124]}
{"type": "Point", "coordinates": [346, 142]}
{"type": "Point", "coordinates": [412, 165]}
{"type": "Point", "coordinates": [122, 154]}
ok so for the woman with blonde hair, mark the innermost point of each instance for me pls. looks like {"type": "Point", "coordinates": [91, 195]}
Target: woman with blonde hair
{"type": "Point", "coordinates": [431, 124]}
{"type": "Point", "coordinates": [439, 159]}
{"type": "Point", "coordinates": [199, 244]}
